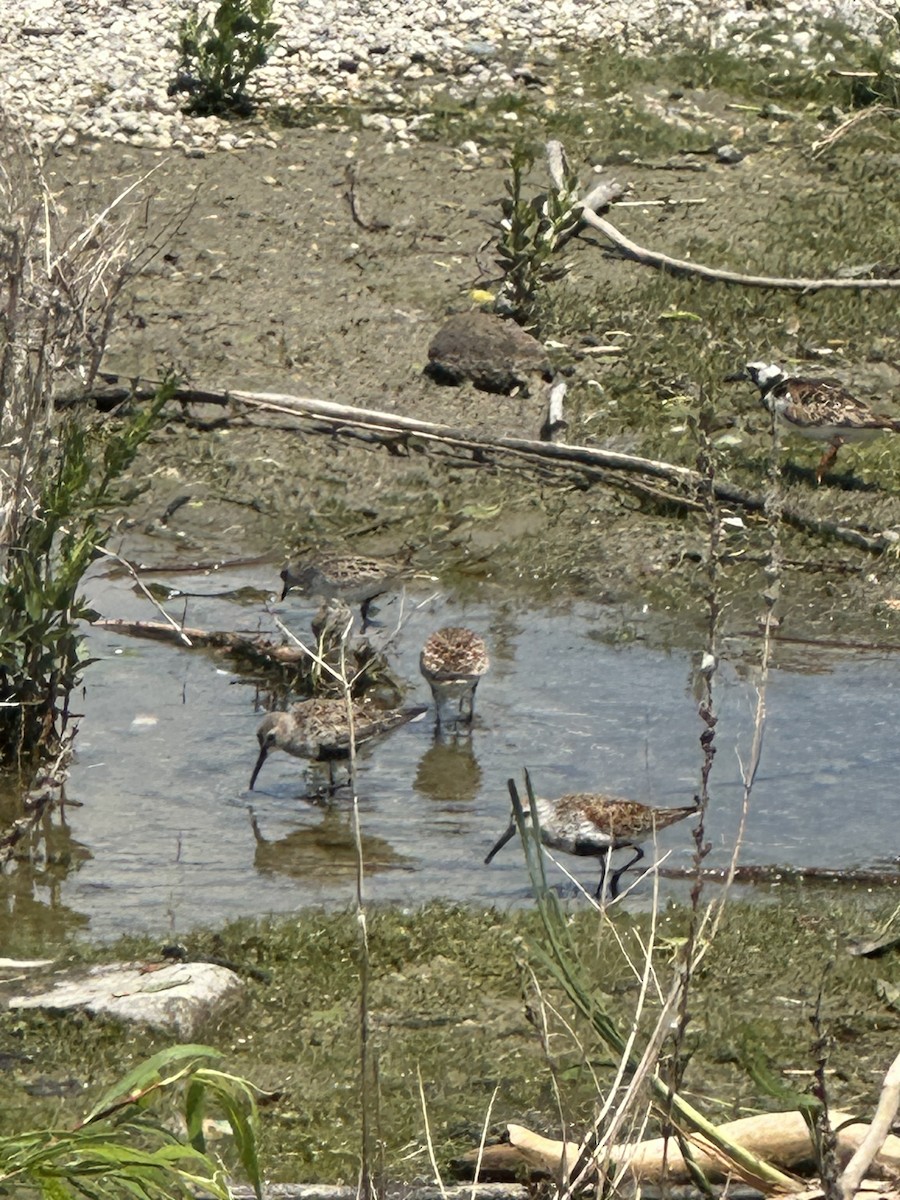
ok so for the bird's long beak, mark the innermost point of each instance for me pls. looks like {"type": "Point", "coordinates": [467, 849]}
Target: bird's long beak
{"type": "Point", "coordinates": [737, 377]}
{"type": "Point", "coordinates": [510, 833]}
{"type": "Point", "coordinates": [286, 582]}
{"type": "Point", "coordinates": [259, 762]}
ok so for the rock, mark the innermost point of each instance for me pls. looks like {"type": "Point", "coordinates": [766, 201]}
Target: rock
{"type": "Point", "coordinates": [178, 997]}
{"type": "Point", "coordinates": [729, 154]}
{"type": "Point", "coordinates": [496, 354]}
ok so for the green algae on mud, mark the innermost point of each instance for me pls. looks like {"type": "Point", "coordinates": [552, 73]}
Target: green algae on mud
{"type": "Point", "coordinates": [454, 997]}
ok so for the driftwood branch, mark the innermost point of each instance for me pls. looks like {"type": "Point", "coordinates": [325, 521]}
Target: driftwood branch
{"type": "Point", "coordinates": [879, 1131]}
{"type": "Point", "coordinates": [772, 873]}
{"type": "Point", "coordinates": [593, 463]}
{"type": "Point", "coordinates": [255, 647]}
{"type": "Point", "coordinates": [782, 1139]}
{"type": "Point", "coordinates": [680, 266]}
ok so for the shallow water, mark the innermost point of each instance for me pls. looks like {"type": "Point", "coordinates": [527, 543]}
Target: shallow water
{"type": "Point", "coordinates": [162, 840]}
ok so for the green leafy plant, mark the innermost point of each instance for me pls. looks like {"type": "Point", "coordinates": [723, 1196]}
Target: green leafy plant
{"type": "Point", "coordinates": [531, 233]}
{"type": "Point", "coordinates": [219, 54]}
{"type": "Point", "coordinates": [41, 647]}
{"type": "Point", "coordinates": [120, 1149]}
{"type": "Point", "coordinates": [59, 466]}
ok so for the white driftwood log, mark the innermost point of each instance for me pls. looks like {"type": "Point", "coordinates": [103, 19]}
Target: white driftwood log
{"type": "Point", "coordinates": [779, 1138]}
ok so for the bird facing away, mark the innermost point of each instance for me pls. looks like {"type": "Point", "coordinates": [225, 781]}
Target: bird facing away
{"type": "Point", "coordinates": [822, 409]}
{"type": "Point", "coordinates": [350, 577]}
{"type": "Point", "coordinates": [453, 660]}
{"type": "Point", "coordinates": [589, 824]}
{"type": "Point", "coordinates": [332, 624]}
{"type": "Point", "coordinates": [320, 730]}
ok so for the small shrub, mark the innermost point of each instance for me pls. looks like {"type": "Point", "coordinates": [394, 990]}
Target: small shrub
{"type": "Point", "coordinates": [219, 55]}
{"type": "Point", "coordinates": [531, 233]}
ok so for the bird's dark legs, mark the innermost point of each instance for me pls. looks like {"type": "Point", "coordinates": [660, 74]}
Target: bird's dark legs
{"type": "Point", "coordinates": [614, 881]}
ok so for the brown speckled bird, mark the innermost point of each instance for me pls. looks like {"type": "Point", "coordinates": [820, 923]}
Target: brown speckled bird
{"type": "Point", "coordinates": [320, 730]}
{"type": "Point", "coordinates": [593, 825]}
{"type": "Point", "coordinates": [350, 577]}
{"type": "Point", "coordinates": [453, 660]}
{"type": "Point", "coordinates": [822, 409]}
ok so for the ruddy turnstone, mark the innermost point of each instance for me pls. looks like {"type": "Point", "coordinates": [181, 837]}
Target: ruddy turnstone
{"type": "Point", "coordinates": [320, 730]}
{"type": "Point", "coordinates": [350, 577]}
{"type": "Point", "coordinates": [818, 408]}
{"type": "Point", "coordinates": [453, 660]}
{"type": "Point", "coordinates": [594, 825]}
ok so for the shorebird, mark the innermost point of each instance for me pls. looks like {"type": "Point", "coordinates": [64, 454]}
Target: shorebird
{"type": "Point", "coordinates": [350, 577]}
{"type": "Point", "coordinates": [593, 825]}
{"type": "Point", "coordinates": [320, 730]}
{"type": "Point", "coordinates": [453, 660]}
{"type": "Point", "coordinates": [332, 624]}
{"type": "Point", "coordinates": [818, 408]}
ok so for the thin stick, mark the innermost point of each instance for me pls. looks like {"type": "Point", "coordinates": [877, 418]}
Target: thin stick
{"type": "Point", "coordinates": [437, 1175]}
{"type": "Point", "coordinates": [888, 1104]}
{"type": "Point", "coordinates": [177, 626]}
{"type": "Point", "coordinates": [550, 455]}
{"type": "Point", "coordinates": [481, 1144]}
{"type": "Point", "coordinates": [653, 258]}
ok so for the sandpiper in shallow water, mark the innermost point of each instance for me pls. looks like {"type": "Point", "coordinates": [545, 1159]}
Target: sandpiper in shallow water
{"type": "Point", "coordinates": [591, 824]}
{"type": "Point", "coordinates": [350, 577]}
{"type": "Point", "coordinates": [319, 729]}
{"type": "Point", "coordinates": [822, 409]}
{"type": "Point", "coordinates": [453, 660]}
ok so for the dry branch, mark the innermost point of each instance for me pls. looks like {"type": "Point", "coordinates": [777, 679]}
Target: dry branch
{"type": "Point", "coordinates": [878, 1133]}
{"type": "Point", "coordinates": [254, 646]}
{"type": "Point", "coordinates": [782, 1139]}
{"type": "Point", "coordinates": [653, 258]}
{"type": "Point", "coordinates": [592, 463]}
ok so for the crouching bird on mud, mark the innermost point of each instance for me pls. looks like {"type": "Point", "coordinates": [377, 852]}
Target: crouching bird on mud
{"type": "Point", "coordinates": [594, 825]}
{"type": "Point", "coordinates": [322, 730]}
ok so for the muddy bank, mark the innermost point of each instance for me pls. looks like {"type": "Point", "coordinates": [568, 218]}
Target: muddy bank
{"type": "Point", "coordinates": [266, 281]}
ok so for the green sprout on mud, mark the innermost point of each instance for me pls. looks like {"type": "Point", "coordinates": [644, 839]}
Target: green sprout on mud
{"type": "Point", "coordinates": [219, 55]}
{"type": "Point", "coordinates": [531, 233]}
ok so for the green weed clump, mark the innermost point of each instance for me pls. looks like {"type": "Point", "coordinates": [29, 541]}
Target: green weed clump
{"type": "Point", "coordinates": [219, 55]}
{"type": "Point", "coordinates": [121, 1149]}
{"type": "Point", "coordinates": [57, 537]}
{"type": "Point", "coordinates": [59, 286]}
{"type": "Point", "coordinates": [531, 233]}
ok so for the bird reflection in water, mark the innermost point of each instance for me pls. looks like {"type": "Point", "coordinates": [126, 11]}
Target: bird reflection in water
{"type": "Point", "coordinates": [449, 771]}
{"type": "Point", "coordinates": [323, 851]}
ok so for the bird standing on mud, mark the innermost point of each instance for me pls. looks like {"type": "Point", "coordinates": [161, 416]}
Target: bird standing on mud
{"type": "Point", "coordinates": [822, 409]}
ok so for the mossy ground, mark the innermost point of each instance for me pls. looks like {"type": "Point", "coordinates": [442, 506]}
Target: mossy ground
{"type": "Point", "coordinates": [456, 998]}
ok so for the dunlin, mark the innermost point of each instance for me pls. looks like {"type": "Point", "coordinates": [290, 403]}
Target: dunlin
{"type": "Point", "coordinates": [453, 660]}
{"type": "Point", "coordinates": [320, 730]}
{"type": "Point", "coordinates": [332, 624]}
{"type": "Point", "coordinates": [350, 577]}
{"type": "Point", "coordinates": [594, 825]}
{"type": "Point", "coordinates": [818, 408]}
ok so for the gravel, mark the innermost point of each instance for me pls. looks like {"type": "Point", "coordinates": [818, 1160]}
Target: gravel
{"type": "Point", "coordinates": [76, 69]}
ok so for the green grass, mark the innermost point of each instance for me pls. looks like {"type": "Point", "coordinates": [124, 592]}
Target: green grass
{"type": "Point", "coordinates": [449, 995]}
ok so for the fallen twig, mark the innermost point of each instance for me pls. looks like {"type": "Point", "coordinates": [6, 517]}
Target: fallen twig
{"type": "Point", "coordinates": [653, 258]}
{"type": "Point", "coordinates": [879, 1130]}
{"type": "Point", "coordinates": [594, 463]}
